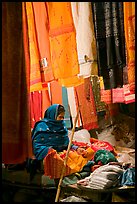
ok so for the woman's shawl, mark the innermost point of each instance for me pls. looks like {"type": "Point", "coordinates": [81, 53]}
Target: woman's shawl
{"type": "Point", "coordinates": [49, 133]}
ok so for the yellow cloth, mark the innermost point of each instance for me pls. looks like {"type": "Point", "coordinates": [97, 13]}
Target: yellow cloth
{"type": "Point", "coordinates": [129, 25]}
{"type": "Point", "coordinates": [63, 43]}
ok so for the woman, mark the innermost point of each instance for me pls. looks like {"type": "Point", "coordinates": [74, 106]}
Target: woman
{"type": "Point", "coordinates": [51, 133]}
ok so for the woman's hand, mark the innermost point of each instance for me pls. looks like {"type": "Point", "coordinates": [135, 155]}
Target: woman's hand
{"type": "Point", "coordinates": [82, 151]}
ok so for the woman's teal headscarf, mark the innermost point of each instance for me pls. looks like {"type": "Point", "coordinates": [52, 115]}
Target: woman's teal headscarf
{"type": "Point", "coordinates": [49, 133]}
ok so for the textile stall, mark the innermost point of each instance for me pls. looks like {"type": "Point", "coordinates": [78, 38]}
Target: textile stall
{"type": "Point", "coordinates": [80, 55]}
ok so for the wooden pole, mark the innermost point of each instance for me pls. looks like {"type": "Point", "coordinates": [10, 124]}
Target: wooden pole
{"type": "Point", "coordinates": [66, 158]}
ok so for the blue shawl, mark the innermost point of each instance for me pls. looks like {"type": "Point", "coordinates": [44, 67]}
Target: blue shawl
{"type": "Point", "coordinates": [49, 133]}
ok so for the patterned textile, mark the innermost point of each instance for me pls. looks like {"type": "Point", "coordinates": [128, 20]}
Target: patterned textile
{"type": "Point", "coordinates": [88, 117]}
{"type": "Point", "coordinates": [63, 43]}
{"type": "Point", "coordinates": [129, 26]}
{"type": "Point", "coordinates": [100, 105]}
{"type": "Point", "coordinates": [49, 133]}
{"type": "Point", "coordinates": [86, 44]}
{"type": "Point", "coordinates": [109, 29]}
{"type": "Point", "coordinates": [54, 162]}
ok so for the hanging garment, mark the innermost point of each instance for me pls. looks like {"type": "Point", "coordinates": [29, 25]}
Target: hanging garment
{"type": "Point", "coordinates": [85, 37]}
{"type": "Point", "coordinates": [72, 101]}
{"type": "Point", "coordinates": [129, 26]}
{"type": "Point", "coordinates": [63, 43]}
{"type": "Point", "coordinates": [56, 93]}
{"type": "Point", "coordinates": [35, 74]}
{"type": "Point", "coordinates": [36, 107]}
{"type": "Point", "coordinates": [89, 117]}
{"type": "Point", "coordinates": [16, 135]}
{"type": "Point", "coordinates": [100, 105]}
{"type": "Point", "coordinates": [109, 30]}
{"type": "Point", "coordinates": [46, 101]}
{"type": "Point", "coordinates": [42, 34]}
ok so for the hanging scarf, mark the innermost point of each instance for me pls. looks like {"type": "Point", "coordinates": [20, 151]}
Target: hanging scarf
{"type": "Point", "coordinates": [129, 25]}
{"type": "Point", "coordinates": [109, 29]}
{"type": "Point", "coordinates": [49, 133]}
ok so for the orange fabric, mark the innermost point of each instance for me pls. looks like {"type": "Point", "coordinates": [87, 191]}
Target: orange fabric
{"type": "Point", "coordinates": [42, 33]}
{"type": "Point", "coordinates": [63, 43]}
{"type": "Point", "coordinates": [46, 102]}
{"type": "Point", "coordinates": [53, 163]}
{"type": "Point", "coordinates": [56, 92]}
{"type": "Point", "coordinates": [35, 75]}
{"type": "Point", "coordinates": [129, 25]}
{"type": "Point", "coordinates": [88, 117]}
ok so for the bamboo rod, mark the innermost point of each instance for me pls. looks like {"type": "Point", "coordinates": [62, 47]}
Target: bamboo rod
{"type": "Point", "coordinates": [66, 157]}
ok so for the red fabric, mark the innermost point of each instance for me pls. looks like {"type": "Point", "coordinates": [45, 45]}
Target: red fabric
{"type": "Point", "coordinates": [36, 107]}
{"type": "Point", "coordinates": [88, 117]}
{"type": "Point", "coordinates": [98, 144]}
{"type": "Point", "coordinates": [16, 134]}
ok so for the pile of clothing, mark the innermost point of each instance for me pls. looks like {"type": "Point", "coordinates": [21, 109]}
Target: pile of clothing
{"type": "Point", "coordinates": [104, 177]}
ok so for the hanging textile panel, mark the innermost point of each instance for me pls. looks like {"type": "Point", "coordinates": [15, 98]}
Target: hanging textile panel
{"type": "Point", "coordinates": [46, 101]}
{"type": "Point", "coordinates": [86, 102]}
{"type": "Point", "coordinates": [129, 26]}
{"type": "Point", "coordinates": [100, 105]}
{"type": "Point", "coordinates": [42, 34]}
{"type": "Point", "coordinates": [109, 30]}
{"type": "Point", "coordinates": [85, 37]}
{"type": "Point", "coordinates": [35, 74]}
{"type": "Point", "coordinates": [63, 43]}
{"type": "Point", "coordinates": [36, 107]}
{"type": "Point", "coordinates": [16, 135]}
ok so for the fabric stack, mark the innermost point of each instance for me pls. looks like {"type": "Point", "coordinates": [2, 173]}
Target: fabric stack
{"type": "Point", "coordinates": [105, 176]}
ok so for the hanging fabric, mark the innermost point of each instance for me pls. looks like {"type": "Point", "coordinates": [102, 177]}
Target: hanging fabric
{"type": "Point", "coordinates": [46, 101]}
{"type": "Point", "coordinates": [35, 74]}
{"type": "Point", "coordinates": [63, 43]}
{"type": "Point", "coordinates": [42, 34]}
{"type": "Point", "coordinates": [129, 26]}
{"type": "Point", "coordinates": [109, 30]}
{"type": "Point", "coordinates": [89, 118]}
{"type": "Point", "coordinates": [56, 93]}
{"type": "Point", "coordinates": [85, 37]}
{"type": "Point", "coordinates": [100, 105]}
{"type": "Point", "coordinates": [36, 107]}
{"type": "Point", "coordinates": [16, 135]}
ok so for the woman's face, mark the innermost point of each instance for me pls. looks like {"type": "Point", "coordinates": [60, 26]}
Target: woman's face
{"type": "Point", "coordinates": [61, 116]}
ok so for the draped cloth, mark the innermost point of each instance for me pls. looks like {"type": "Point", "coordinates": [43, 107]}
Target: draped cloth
{"type": "Point", "coordinates": [109, 30]}
{"type": "Point", "coordinates": [49, 133]}
{"type": "Point", "coordinates": [54, 162]}
{"type": "Point", "coordinates": [85, 37]}
{"type": "Point", "coordinates": [42, 34]}
{"type": "Point", "coordinates": [36, 78]}
{"type": "Point", "coordinates": [16, 135]}
{"type": "Point", "coordinates": [88, 117]}
{"type": "Point", "coordinates": [36, 107]}
{"type": "Point", "coordinates": [129, 26]}
{"type": "Point", "coordinates": [63, 43]}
